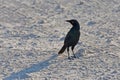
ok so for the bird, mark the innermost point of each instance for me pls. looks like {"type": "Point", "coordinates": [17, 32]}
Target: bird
{"type": "Point", "coordinates": [71, 38]}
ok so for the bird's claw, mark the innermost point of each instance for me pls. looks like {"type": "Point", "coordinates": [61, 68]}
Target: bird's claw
{"type": "Point", "coordinates": [72, 58]}
{"type": "Point", "coordinates": [69, 58]}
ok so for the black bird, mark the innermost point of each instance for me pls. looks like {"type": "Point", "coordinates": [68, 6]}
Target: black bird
{"type": "Point", "coordinates": [71, 38]}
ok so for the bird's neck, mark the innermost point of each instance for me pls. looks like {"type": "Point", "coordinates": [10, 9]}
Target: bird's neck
{"type": "Point", "coordinates": [77, 27]}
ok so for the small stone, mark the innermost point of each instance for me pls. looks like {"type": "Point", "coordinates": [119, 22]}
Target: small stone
{"type": "Point", "coordinates": [91, 23]}
{"type": "Point", "coordinates": [81, 3]}
{"type": "Point", "coordinates": [58, 9]}
{"type": "Point", "coordinates": [114, 72]}
{"type": "Point", "coordinates": [62, 38]}
{"type": "Point", "coordinates": [40, 22]}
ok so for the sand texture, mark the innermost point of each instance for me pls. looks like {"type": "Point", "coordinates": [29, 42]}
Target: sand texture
{"type": "Point", "coordinates": [33, 31]}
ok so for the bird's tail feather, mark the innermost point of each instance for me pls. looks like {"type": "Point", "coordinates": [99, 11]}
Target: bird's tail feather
{"type": "Point", "coordinates": [62, 50]}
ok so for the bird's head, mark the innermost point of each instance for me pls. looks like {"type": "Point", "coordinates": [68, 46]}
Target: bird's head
{"type": "Point", "coordinates": [73, 22]}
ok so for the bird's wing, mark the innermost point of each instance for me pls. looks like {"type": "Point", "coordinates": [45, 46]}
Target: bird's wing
{"type": "Point", "coordinates": [72, 37]}
{"type": "Point", "coordinates": [68, 38]}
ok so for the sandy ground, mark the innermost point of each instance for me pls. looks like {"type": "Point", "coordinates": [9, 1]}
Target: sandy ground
{"type": "Point", "coordinates": [32, 32]}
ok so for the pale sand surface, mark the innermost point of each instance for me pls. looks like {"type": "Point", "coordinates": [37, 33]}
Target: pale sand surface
{"type": "Point", "coordinates": [32, 32]}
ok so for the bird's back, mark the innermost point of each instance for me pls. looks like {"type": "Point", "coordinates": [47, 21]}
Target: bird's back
{"type": "Point", "coordinates": [72, 37]}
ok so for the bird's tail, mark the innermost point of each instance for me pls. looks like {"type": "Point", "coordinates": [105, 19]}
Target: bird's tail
{"type": "Point", "coordinates": [62, 50]}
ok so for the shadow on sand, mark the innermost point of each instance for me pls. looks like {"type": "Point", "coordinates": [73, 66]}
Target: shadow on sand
{"type": "Point", "coordinates": [34, 68]}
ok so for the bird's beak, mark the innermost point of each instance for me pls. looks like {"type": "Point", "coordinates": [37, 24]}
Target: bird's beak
{"type": "Point", "coordinates": [67, 20]}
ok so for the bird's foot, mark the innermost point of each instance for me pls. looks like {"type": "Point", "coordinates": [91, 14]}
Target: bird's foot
{"type": "Point", "coordinates": [74, 56]}
{"type": "Point", "coordinates": [69, 58]}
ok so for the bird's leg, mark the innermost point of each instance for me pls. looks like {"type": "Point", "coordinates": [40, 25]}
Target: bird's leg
{"type": "Point", "coordinates": [73, 51]}
{"type": "Point", "coordinates": [68, 52]}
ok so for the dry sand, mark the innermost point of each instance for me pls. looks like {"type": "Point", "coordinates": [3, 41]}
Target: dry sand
{"type": "Point", "coordinates": [32, 32]}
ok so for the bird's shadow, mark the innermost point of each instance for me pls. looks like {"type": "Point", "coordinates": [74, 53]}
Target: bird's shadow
{"type": "Point", "coordinates": [34, 68]}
